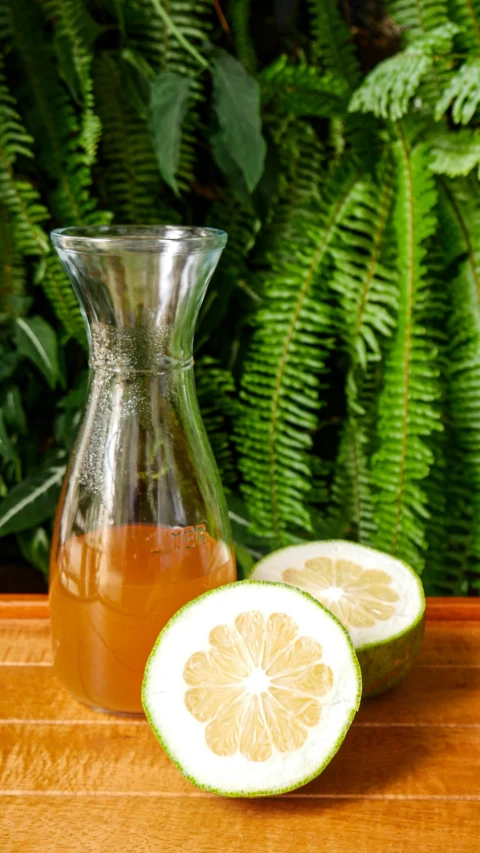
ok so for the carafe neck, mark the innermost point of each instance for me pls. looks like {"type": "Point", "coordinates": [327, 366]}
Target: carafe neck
{"type": "Point", "coordinates": [141, 350]}
{"type": "Point", "coordinates": [140, 291]}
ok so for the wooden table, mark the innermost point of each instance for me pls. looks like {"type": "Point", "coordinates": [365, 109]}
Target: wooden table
{"type": "Point", "coordinates": [407, 777]}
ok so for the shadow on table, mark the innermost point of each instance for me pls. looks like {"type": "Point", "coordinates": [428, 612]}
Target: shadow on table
{"type": "Point", "coordinates": [391, 745]}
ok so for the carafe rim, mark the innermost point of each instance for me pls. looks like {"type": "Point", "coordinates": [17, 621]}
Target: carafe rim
{"type": "Point", "coordinates": [125, 239]}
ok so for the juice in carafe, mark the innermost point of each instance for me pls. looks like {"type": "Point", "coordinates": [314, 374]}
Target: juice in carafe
{"type": "Point", "coordinates": [112, 591]}
{"type": "Point", "coordinates": [142, 522]}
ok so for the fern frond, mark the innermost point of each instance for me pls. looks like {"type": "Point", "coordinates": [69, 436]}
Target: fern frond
{"type": "Point", "coordinates": [454, 153]}
{"type": "Point", "coordinates": [456, 578]}
{"type": "Point", "coordinates": [417, 17]}
{"type": "Point", "coordinates": [71, 24]}
{"type": "Point", "coordinates": [238, 16]}
{"type": "Point", "coordinates": [358, 471]}
{"type": "Point", "coordinates": [365, 277]}
{"type": "Point", "coordinates": [301, 89]}
{"type": "Point", "coordinates": [331, 43]}
{"type": "Point", "coordinates": [130, 171]}
{"type": "Point", "coordinates": [301, 154]}
{"type": "Point", "coordinates": [51, 119]}
{"type": "Point", "coordinates": [20, 24]}
{"type": "Point", "coordinates": [19, 197]}
{"type": "Point", "coordinates": [301, 157]}
{"type": "Point", "coordinates": [280, 383]}
{"type": "Point", "coordinates": [408, 412]}
{"type": "Point", "coordinates": [461, 215]}
{"type": "Point", "coordinates": [441, 485]}
{"type": "Point", "coordinates": [12, 271]}
{"type": "Point", "coordinates": [216, 394]}
{"type": "Point", "coordinates": [388, 89]}
{"type": "Point", "coordinates": [149, 36]}
{"type": "Point", "coordinates": [22, 202]}
{"type": "Point", "coordinates": [462, 94]}
{"type": "Point", "coordinates": [437, 574]}
{"type": "Point", "coordinates": [366, 281]}
{"type": "Point", "coordinates": [449, 529]}
{"type": "Point", "coordinates": [466, 13]}
{"type": "Point", "coordinates": [60, 293]}
{"type": "Point", "coordinates": [230, 291]}
{"type": "Point", "coordinates": [350, 504]}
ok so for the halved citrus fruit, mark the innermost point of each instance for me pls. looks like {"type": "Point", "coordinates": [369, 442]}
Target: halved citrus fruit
{"type": "Point", "coordinates": [378, 599]}
{"type": "Point", "coordinates": [251, 688]}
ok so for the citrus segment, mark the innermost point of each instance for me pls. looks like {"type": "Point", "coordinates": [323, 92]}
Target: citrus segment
{"type": "Point", "coordinates": [355, 595]}
{"type": "Point", "coordinates": [293, 665]}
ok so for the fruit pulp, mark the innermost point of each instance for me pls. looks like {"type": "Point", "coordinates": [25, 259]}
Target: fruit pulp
{"type": "Point", "coordinates": [112, 591]}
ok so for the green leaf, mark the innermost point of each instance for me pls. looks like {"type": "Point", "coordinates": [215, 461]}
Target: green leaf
{"type": "Point", "coordinates": [177, 31]}
{"type": "Point", "coordinates": [7, 450]}
{"type": "Point", "coordinates": [408, 411]}
{"type": "Point", "coordinates": [136, 74]}
{"type": "Point", "coordinates": [245, 561]}
{"type": "Point", "coordinates": [35, 547]}
{"type": "Point", "coordinates": [302, 89]}
{"type": "Point", "coordinates": [227, 164]}
{"type": "Point", "coordinates": [71, 408]}
{"type": "Point", "coordinates": [8, 364]}
{"type": "Point", "coordinates": [137, 61]}
{"type": "Point", "coordinates": [460, 208]}
{"type": "Point", "coordinates": [454, 153]}
{"type": "Point", "coordinates": [37, 341]}
{"type": "Point", "coordinates": [67, 68]}
{"type": "Point", "coordinates": [118, 5]}
{"type": "Point", "coordinates": [414, 18]}
{"type": "Point", "coordinates": [287, 358]}
{"type": "Point", "coordinates": [19, 197]}
{"type": "Point", "coordinates": [249, 547]}
{"type": "Point", "coordinates": [77, 396]}
{"type": "Point", "coordinates": [239, 18]}
{"type": "Point", "coordinates": [13, 411]}
{"type": "Point", "coordinates": [389, 88]}
{"type": "Point", "coordinates": [462, 94]}
{"type": "Point", "coordinates": [331, 42]}
{"type": "Point", "coordinates": [130, 169]}
{"type": "Point", "coordinates": [237, 107]}
{"type": "Point", "coordinates": [32, 501]}
{"type": "Point", "coordinates": [466, 13]}
{"type": "Point", "coordinates": [169, 94]}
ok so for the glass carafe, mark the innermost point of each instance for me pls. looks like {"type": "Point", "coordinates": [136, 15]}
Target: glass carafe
{"type": "Point", "coordinates": [142, 525]}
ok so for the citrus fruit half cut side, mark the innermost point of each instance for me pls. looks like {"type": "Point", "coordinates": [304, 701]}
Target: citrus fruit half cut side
{"type": "Point", "coordinates": [251, 688]}
{"type": "Point", "coordinates": [378, 599]}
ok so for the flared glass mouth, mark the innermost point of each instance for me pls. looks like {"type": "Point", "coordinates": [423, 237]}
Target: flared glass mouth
{"type": "Point", "coordinates": [127, 239]}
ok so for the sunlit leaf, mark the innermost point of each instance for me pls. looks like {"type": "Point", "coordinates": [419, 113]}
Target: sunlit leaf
{"type": "Point", "coordinates": [37, 341]}
{"type": "Point", "coordinates": [32, 501]}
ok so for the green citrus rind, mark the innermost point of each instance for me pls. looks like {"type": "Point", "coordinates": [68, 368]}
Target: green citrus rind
{"type": "Point", "coordinates": [267, 792]}
{"type": "Point", "coordinates": [384, 663]}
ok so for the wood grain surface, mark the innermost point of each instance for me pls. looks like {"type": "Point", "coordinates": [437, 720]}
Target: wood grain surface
{"type": "Point", "coordinates": [406, 779]}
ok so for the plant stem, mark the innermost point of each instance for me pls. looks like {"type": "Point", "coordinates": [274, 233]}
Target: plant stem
{"type": "Point", "coordinates": [178, 35]}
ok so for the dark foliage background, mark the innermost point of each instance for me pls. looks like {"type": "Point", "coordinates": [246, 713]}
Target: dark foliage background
{"type": "Point", "coordinates": [338, 350]}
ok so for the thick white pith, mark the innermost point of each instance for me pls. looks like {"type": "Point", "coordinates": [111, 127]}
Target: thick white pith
{"type": "Point", "coordinates": [404, 583]}
{"type": "Point", "coordinates": [184, 736]}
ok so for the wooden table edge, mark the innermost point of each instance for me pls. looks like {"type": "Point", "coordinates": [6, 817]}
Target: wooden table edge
{"type": "Point", "coordinates": [16, 606]}
{"type": "Point", "coordinates": [24, 606]}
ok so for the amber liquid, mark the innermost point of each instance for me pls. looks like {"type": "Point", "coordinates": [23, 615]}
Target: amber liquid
{"type": "Point", "coordinates": [111, 593]}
